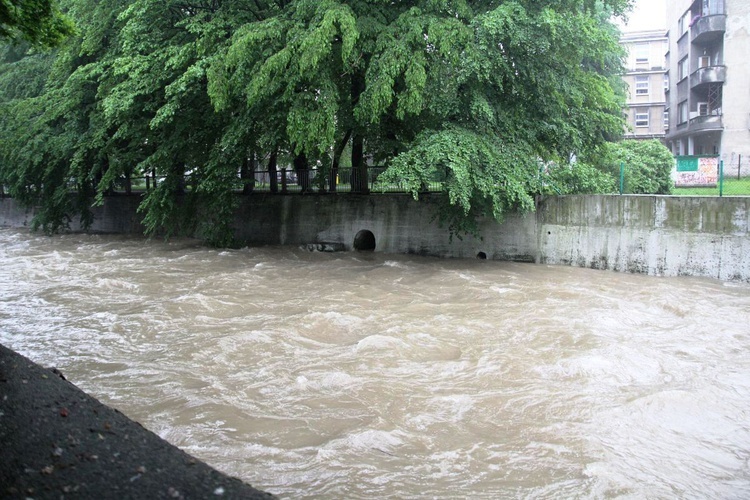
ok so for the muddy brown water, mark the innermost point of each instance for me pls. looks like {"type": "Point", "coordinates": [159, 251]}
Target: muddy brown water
{"type": "Point", "coordinates": [350, 375]}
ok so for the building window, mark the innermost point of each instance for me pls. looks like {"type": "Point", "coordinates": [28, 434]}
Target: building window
{"type": "Point", "coordinates": [683, 68]}
{"type": "Point", "coordinates": [666, 82]}
{"type": "Point", "coordinates": [683, 25]}
{"type": "Point", "coordinates": [641, 117]}
{"type": "Point", "coordinates": [666, 120]}
{"type": "Point", "coordinates": [641, 85]}
{"type": "Point", "coordinates": [713, 7]}
{"type": "Point", "coordinates": [641, 55]}
{"type": "Point", "coordinates": [682, 112]}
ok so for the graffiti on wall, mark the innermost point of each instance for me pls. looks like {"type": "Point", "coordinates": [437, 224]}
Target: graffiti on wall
{"type": "Point", "coordinates": [697, 171]}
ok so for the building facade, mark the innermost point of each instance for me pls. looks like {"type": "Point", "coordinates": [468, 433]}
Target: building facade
{"type": "Point", "coordinates": [708, 101]}
{"type": "Point", "coordinates": [645, 80]}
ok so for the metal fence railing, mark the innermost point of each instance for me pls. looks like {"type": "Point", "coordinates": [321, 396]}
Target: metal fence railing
{"type": "Point", "coordinates": [702, 175]}
{"type": "Point", "coordinates": [283, 181]}
{"type": "Point", "coordinates": [340, 180]}
{"type": "Point", "coordinates": [710, 176]}
{"type": "Point", "coordinates": [707, 179]}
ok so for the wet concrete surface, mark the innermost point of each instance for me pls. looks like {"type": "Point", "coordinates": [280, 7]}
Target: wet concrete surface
{"type": "Point", "coordinates": [58, 442]}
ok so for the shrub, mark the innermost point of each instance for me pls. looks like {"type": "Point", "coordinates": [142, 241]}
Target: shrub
{"type": "Point", "coordinates": [578, 178]}
{"type": "Point", "coordinates": [648, 165]}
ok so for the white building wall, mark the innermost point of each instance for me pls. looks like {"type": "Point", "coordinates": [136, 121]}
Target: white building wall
{"type": "Point", "coordinates": [653, 45]}
{"type": "Point", "coordinates": [732, 143]}
{"type": "Point", "coordinates": [736, 109]}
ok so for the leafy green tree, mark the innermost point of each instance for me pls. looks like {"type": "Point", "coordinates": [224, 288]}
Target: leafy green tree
{"type": "Point", "coordinates": [193, 93]}
{"type": "Point", "coordinates": [128, 98]}
{"type": "Point", "coordinates": [476, 92]}
{"type": "Point", "coordinates": [54, 139]}
{"type": "Point", "coordinates": [157, 99]}
{"type": "Point", "coordinates": [39, 22]}
{"type": "Point", "coordinates": [527, 83]}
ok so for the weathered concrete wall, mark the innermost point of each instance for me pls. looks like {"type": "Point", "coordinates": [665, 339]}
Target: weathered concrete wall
{"type": "Point", "coordinates": [117, 215]}
{"type": "Point", "coordinates": [13, 215]}
{"type": "Point", "coordinates": [656, 235]}
{"type": "Point", "coordinates": [399, 223]}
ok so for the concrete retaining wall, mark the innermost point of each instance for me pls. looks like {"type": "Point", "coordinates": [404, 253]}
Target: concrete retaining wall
{"type": "Point", "coordinates": [656, 235]}
{"type": "Point", "coordinates": [399, 223]}
{"type": "Point", "coordinates": [117, 215]}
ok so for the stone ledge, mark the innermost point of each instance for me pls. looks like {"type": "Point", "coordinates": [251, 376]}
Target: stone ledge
{"type": "Point", "coordinates": [58, 442]}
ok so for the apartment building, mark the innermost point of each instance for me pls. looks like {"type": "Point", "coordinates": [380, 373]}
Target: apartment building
{"type": "Point", "coordinates": [645, 79]}
{"type": "Point", "coordinates": [708, 101]}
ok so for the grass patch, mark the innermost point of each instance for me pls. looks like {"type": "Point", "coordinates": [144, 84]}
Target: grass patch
{"type": "Point", "coordinates": [732, 187]}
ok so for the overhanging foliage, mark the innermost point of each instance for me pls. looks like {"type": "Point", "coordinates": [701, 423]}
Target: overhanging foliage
{"type": "Point", "coordinates": [198, 92]}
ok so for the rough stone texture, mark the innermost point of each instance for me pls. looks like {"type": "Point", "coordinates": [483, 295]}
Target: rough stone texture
{"type": "Point", "coordinates": [58, 442]}
{"type": "Point", "coordinates": [657, 235]}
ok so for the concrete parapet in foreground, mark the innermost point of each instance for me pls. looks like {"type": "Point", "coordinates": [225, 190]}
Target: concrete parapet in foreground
{"type": "Point", "coordinates": [58, 442]}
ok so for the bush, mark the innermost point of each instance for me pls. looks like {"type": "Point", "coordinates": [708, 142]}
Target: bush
{"type": "Point", "coordinates": [648, 165]}
{"type": "Point", "coordinates": [578, 178]}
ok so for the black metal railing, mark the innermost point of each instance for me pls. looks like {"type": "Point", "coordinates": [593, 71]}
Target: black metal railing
{"type": "Point", "coordinates": [284, 181]}
{"type": "Point", "coordinates": [732, 179]}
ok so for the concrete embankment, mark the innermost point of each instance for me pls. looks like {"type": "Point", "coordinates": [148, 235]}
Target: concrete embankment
{"type": "Point", "coordinates": [656, 235]}
{"type": "Point", "coordinates": [58, 442]}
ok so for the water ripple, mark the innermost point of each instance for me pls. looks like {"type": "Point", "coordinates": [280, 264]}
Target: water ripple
{"type": "Point", "coordinates": [351, 375]}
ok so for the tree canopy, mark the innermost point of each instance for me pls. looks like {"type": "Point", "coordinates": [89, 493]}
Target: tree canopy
{"type": "Point", "coordinates": [39, 22]}
{"type": "Point", "coordinates": [480, 94]}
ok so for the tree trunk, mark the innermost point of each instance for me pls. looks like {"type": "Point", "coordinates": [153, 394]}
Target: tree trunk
{"type": "Point", "coordinates": [302, 168]}
{"type": "Point", "coordinates": [359, 166]}
{"type": "Point", "coordinates": [247, 174]}
{"type": "Point", "coordinates": [179, 174]}
{"type": "Point", "coordinates": [272, 171]}
{"type": "Point", "coordinates": [333, 181]}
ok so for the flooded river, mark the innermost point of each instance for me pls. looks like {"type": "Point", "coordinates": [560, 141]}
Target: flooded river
{"type": "Point", "coordinates": [313, 375]}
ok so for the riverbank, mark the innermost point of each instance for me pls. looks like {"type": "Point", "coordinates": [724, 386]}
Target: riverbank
{"type": "Point", "coordinates": [58, 442]}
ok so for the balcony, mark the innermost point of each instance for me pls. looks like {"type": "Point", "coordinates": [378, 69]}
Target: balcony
{"type": "Point", "coordinates": [709, 74]}
{"type": "Point", "coordinates": [706, 123]}
{"type": "Point", "coordinates": [697, 124]}
{"type": "Point", "coordinates": [708, 28]}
